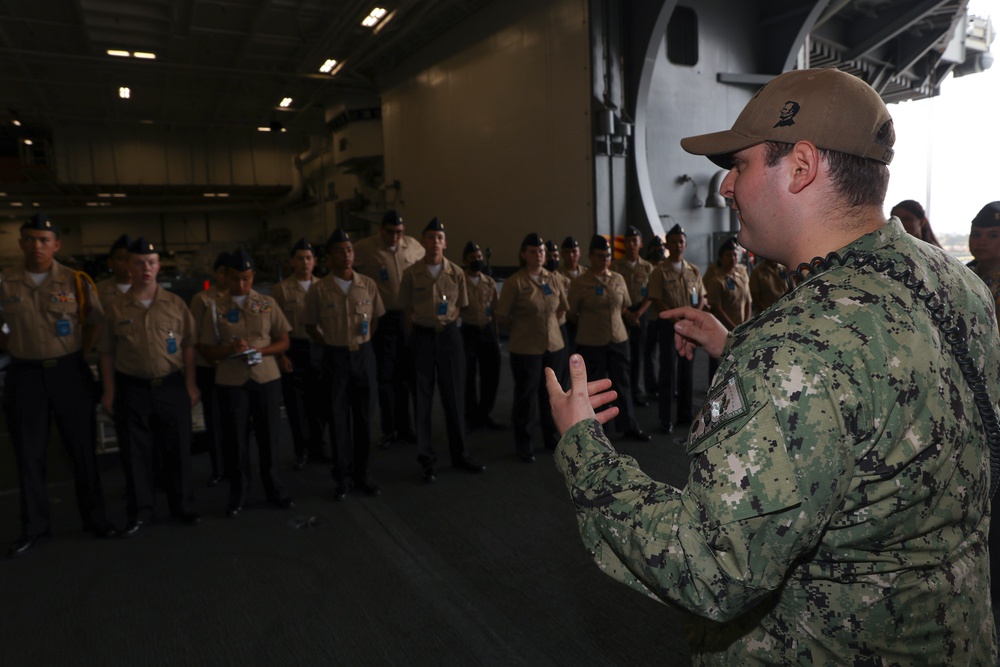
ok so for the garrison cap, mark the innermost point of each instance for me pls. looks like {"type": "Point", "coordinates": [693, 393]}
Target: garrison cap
{"type": "Point", "coordinates": [655, 242]}
{"type": "Point", "coordinates": [835, 110]}
{"type": "Point", "coordinates": [141, 246]}
{"type": "Point", "coordinates": [470, 247]}
{"type": "Point", "coordinates": [599, 242]}
{"type": "Point", "coordinates": [120, 243]}
{"type": "Point", "coordinates": [730, 244]}
{"type": "Point", "coordinates": [632, 231]}
{"type": "Point", "coordinates": [302, 244]}
{"type": "Point", "coordinates": [240, 260]}
{"type": "Point", "coordinates": [391, 217]}
{"type": "Point", "coordinates": [989, 216]}
{"type": "Point", "coordinates": [221, 260]}
{"type": "Point", "coordinates": [435, 225]}
{"type": "Point", "coordinates": [338, 236]}
{"type": "Point", "coordinates": [569, 243]}
{"type": "Point", "coordinates": [550, 246]}
{"type": "Point", "coordinates": [532, 240]}
{"type": "Point", "coordinates": [40, 222]}
{"type": "Point", "coordinates": [676, 229]}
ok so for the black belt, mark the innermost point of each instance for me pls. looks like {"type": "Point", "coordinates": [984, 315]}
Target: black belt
{"type": "Point", "coordinates": [46, 363]}
{"type": "Point", "coordinates": [132, 381]}
{"type": "Point", "coordinates": [438, 329]}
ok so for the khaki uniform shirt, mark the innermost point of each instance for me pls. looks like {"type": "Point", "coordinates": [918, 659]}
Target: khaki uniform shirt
{"type": "Point", "coordinates": [347, 319]}
{"type": "Point", "coordinates": [107, 289]}
{"type": "Point", "coordinates": [675, 289]}
{"type": "Point", "coordinates": [636, 278]}
{"type": "Point", "coordinates": [386, 267]}
{"type": "Point", "coordinates": [767, 284]}
{"type": "Point", "coordinates": [597, 302]}
{"type": "Point", "coordinates": [532, 308]}
{"type": "Point", "coordinates": [258, 321]}
{"type": "Point", "coordinates": [482, 299]}
{"type": "Point", "coordinates": [729, 294]}
{"type": "Point", "coordinates": [44, 320]}
{"type": "Point", "coordinates": [434, 302]}
{"type": "Point", "coordinates": [148, 343]}
{"type": "Point", "coordinates": [291, 298]}
{"type": "Point", "coordinates": [199, 304]}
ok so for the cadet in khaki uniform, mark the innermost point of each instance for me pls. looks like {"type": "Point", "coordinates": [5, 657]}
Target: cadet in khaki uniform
{"type": "Point", "coordinates": [655, 255]}
{"type": "Point", "coordinates": [675, 284]}
{"type": "Point", "coordinates": [205, 370]}
{"type": "Point", "coordinates": [300, 382]}
{"type": "Point", "coordinates": [50, 318]}
{"type": "Point", "coordinates": [120, 279]}
{"type": "Point", "coordinates": [598, 301]}
{"type": "Point", "coordinates": [341, 313]}
{"type": "Point", "coordinates": [552, 266]}
{"type": "Point", "coordinates": [480, 340]}
{"type": "Point", "coordinates": [768, 283]}
{"type": "Point", "coordinates": [383, 258]}
{"type": "Point", "coordinates": [531, 303]}
{"type": "Point", "coordinates": [569, 268]}
{"type": "Point", "coordinates": [242, 332]}
{"type": "Point", "coordinates": [636, 271]}
{"type": "Point", "coordinates": [432, 294]}
{"type": "Point", "coordinates": [148, 373]}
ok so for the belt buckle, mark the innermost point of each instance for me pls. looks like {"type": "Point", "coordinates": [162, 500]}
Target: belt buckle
{"type": "Point", "coordinates": [353, 348]}
{"type": "Point", "coordinates": [49, 363]}
{"type": "Point", "coordinates": [156, 382]}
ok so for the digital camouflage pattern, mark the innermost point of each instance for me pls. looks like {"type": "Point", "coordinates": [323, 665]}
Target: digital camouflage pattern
{"type": "Point", "coordinates": [836, 509]}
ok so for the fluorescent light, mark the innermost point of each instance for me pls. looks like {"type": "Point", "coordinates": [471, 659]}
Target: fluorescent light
{"type": "Point", "coordinates": [144, 55]}
{"type": "Point", "coordinates": [119, 194]}
{"type": "Point", "coordinates": [17, 203]}
{"type": "Point", "coordinates": [16, 122]}
{"type": "Point", "coordinates": [263, 129]}
{"type": "Point", "coordinates": [285, 102]}
{"type": "Point", "coordinates": [118, 53]}
{"type": "Point", "coordinates": [3, 194]}
{"type": "Point", "coordinates": [28, 142]}
{"type": "Point", "coordinates": [124, 92]}
{"type": "Point", "coordinates": [373, 17]}
{"type": "Point", "coordinates": [103, 194]}
{"type": "Point", "coordinates": [208, 194]}
{"type": "Point", "coordinates": [327, 66]}
{"type": "Point", "coordinates": [36, 204]}
{"type": "Point", "coordinates": [223, 194]}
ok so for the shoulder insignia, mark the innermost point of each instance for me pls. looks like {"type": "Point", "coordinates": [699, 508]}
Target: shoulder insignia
{"type": "Point", "coordinates": [724, 404]}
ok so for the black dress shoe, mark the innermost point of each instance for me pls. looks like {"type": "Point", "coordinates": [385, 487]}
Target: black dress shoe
{"type": "Point", "coordinates": [493, 426]}
{"type": "Point", "coordinates": [25, 544]}
{"type": "Point", "coordinates": [300, 462]}
{"type": "Point", "coordinates": [283, 503]}
{"type": "Point", "coordinates": [133, 527]}
{"type": "Point", "coordinates": [667, 428]}
{"type": "Point", "coordinates": [102, 532]}
{"type": "Point", "coordinates": [188, 518]}
{"type": "Point", "coordinates": [429, 475]}
{"type": "Point", "coordinates": [469, 465]}
{"type": "Point", "coordinates": [527, 457]}
{"type": "Point", "coordinates": [387, 440]}
{"type": "Point", "coordinates": [214, 480]}
{"type": "Point", "coordinates": [638, 435]}
{"type": "Point", "coordinates": [367, 486]}
{"type": "Point", "coordinates": [340, 492]}
{"type": "Point", "coordinates": [234, 510]}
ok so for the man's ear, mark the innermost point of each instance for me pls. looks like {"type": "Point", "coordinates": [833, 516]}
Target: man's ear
{"type": "Point", "coordinates": [803, 163]}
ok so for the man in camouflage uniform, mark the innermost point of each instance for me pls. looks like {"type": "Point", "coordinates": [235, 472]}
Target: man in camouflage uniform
{"type": "Point", "coordinates": [836, 511]}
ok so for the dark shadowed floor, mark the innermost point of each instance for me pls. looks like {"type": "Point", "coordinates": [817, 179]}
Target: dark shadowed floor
{"type": "Point", "coordinates": [472, 570]}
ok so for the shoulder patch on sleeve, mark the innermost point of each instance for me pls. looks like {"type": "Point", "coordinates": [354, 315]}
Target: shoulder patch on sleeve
{"type": "Point", "coordinates": [726, 403]}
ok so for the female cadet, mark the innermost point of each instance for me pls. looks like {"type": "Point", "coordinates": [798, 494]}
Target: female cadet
{"type": "Point", "coordinates": [598, 300]}
{"type": "Point", "coordinates": [728, 287]}
{"type": "Point", "coordinates": [530, 306]}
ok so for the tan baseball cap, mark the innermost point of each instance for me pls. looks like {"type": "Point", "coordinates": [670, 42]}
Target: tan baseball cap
{"type": "Point", "coordinates": [833, 109]}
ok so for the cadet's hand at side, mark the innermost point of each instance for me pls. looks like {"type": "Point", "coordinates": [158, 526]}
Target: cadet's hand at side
{"type": "Point", "coordinates": [695, 328]}
{"type": "Point", "coordinates": [582, 398]}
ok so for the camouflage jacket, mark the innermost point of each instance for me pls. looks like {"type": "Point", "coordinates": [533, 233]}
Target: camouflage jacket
{"type": "Point", "coordinates": [836, 508]}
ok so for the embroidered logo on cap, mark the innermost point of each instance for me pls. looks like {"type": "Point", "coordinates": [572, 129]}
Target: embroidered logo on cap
{"type": "Point", "coordinates": [786, 117]}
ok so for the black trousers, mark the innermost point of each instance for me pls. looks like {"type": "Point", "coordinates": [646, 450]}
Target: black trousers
{"type": "Point", "coordinates": [531, 398]}
{"type": "Point", "coordinates": [439, 354]}
{"type": "Point", "coordinates": [395, 373]}
{"type": "Point", "coordinates": [352, 388]}
{"type": "Point", "coordinates": [153, 419]}
{"type": "Point", "coordinates": [34, 393]}
{"type": "Point", "coordinates": [651, 355]}
{"type": "Point", "coordinates": [636, 353]}
{"type": "Point", "coordinates": [306, 398]}
{"type": "Point", "coordinates": [262, 404]}
{"type": "Point", "coordinates": [612, 361]}
{"type": "Point", "coordinates": [670, 364]}
{"type": "Point", "coordinates": [482, 353]}
{"type": "Point", "coordinates": [205, 379]}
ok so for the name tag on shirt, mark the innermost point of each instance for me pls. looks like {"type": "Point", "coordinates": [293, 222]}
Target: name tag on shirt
{"type": "Point", "coordinates": [383, 274]}
{"type": "Point", "coordinates": [599, 290]}
{"type": "Point", "coordinates": [233, 316]}
{"type": "Point", "coordinates": [63, 328]}
{"type": "Point", "coordinates": [546, 290]}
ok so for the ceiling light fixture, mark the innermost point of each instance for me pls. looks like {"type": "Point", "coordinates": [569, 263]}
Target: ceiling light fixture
{"type": "Point", "coordinates": [374, 17]}
{"type": "Point", "coordinates": [118, 53]}
{"type": "Point", "coordinates": [17, 203]}
{"type": "Point", "coordinates": [144, 55]}
{"type": "Point", "coordinates": [285, 102]}
{"type": "Point", "coordinates": [124, 93]}
{"type": "Point", "coordinates": [16, 122]}
{"type": "Point", "coordinates": [328, 66]}
{"type": "Point", "coordinates": [28, 142]}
